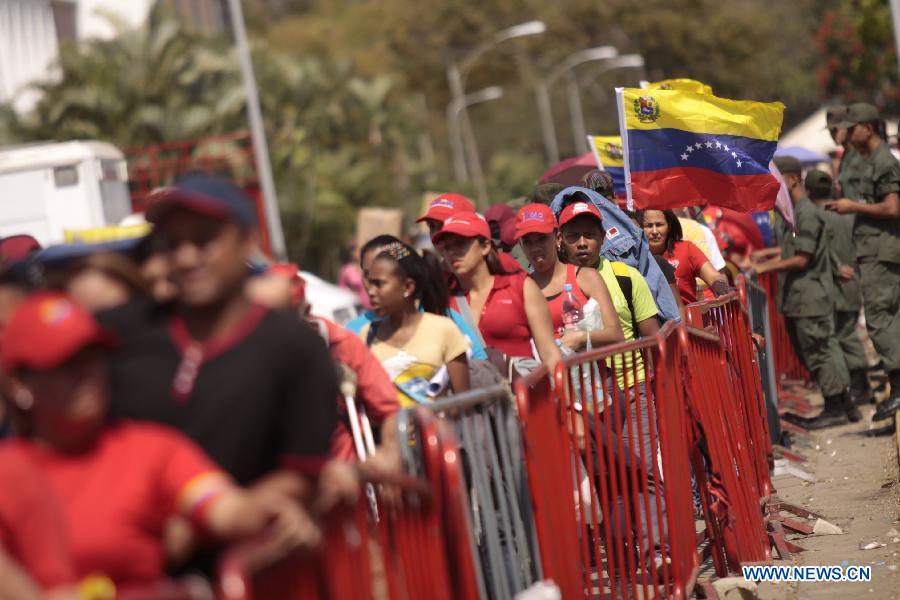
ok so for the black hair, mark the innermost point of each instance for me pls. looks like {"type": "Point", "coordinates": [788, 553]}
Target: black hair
{"type": "Point", "coordinates": [425, 271]}
{"type": "Point", "coordinates": [379, 241]}
{"type": "Point", "coordinates": [675, 233]}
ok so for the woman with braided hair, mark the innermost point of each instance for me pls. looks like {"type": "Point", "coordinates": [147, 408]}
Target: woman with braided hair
{"type": "Point", "coordinates": [412, 345]}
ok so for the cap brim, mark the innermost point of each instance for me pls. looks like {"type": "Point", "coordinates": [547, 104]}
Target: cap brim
{"type": "Point", "coordinates": [543, 230]}
{"type": "Point", "coordinates": [569, 218]}
{"type": "Point", "coordinates": [843, 125]}
{"type": "Point", "coordinates": [444, 233]}
{"type": "Point", "coordinates": [165, 202]}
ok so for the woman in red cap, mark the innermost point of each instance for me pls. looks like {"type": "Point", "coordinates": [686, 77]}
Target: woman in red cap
{"type": "Point", "coordinates": [55, 355]}
{"type": "Point", "coordinates": [663, 231]}
{"type": "Point", "coordinates": [508, 309]}
{"type": "Point", "coordinates": [536, 232]}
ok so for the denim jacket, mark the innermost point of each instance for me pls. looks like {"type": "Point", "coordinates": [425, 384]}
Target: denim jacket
{"type": "Point", "coordinates": [625, 242]}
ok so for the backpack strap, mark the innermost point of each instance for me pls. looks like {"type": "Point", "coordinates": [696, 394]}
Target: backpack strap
{"type": "Point", "coordinates": [370, 337]}
{"type": "Point", "coordinates": [466, 311]}
{"type": "Point", "coordinates": [623, 277]}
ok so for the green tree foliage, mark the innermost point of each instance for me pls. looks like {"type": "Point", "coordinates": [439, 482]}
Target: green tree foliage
{"type": "Point", "coordinates": [858, 57]}
{"type": "Point", "coordinates": [338, 140]}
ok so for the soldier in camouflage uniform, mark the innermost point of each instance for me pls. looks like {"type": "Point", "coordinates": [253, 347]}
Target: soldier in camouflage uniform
{"type": "Point", "coordinates": [807, 292]}
{"type": "Point", "coordinates": [848, 300]}
{"type": "Point", "coordinates": [871, 192]}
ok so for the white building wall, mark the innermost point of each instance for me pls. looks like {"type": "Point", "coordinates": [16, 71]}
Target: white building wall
{"type": "Point", "coordinates": [28, 49]}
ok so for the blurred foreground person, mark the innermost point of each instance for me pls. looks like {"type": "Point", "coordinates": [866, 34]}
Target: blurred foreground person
{"type": "Point", "coordinates": [253, 387]}
{"type": "Point", "coordinates": [104, 281]}
{"type": "Point", "coordinates": [115, 483]}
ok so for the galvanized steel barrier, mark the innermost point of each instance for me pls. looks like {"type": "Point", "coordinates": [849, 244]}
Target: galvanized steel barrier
{"type": "Point", "coordinates": [487, 428]}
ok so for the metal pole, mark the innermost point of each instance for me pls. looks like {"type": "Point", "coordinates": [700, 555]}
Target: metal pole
{"type": "Point", "coordinates": [548, 129]}
{"type": "Point", "coordinates": [474, 157]}
{"type": "Point", "coordinates": [454, 130]}
{"type": "Point", "coordinates": [258, 133]}
{"type": "Point", "coordinates": [895, 17]}
{"type": "Point", "coordinates": [576, 113]}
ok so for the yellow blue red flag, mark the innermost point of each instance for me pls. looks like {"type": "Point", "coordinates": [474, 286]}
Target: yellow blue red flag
{"type": "Point", "coordinates": [684, 148]}
{"type": "Point", "coordinates": [610, 157]}
{"type": "Point", "coordinates": [686, 85]}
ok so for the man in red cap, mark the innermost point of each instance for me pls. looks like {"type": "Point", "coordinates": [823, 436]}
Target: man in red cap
{"type": "Point", "coordinates": [442, 208]}
{"type": "Point", "coordinates": [253, 387]}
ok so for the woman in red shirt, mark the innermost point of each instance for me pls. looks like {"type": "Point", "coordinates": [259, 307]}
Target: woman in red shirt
{"type": "Point", "coordinates": [536, 231]}
{"type": "Point", "coordinates": [666, 239]}
{"type": "Point", "coordinates": [508, 308]}
{"type": "Point", "coordinates": [116, 484]}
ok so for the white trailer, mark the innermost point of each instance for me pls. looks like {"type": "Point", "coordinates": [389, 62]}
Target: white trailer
{"type": "Point", "coordinates": [48, 188]}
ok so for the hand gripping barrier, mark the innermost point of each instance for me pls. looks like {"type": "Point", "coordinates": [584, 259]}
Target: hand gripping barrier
{"type": "Point", "coordinates": [727, 318]}
{"type": "Point", "coordinates": [607, 455]}
{"type": "Point", "coordinates": [417, 549]}
{"type": "Point", "coordinates": [504, 537]}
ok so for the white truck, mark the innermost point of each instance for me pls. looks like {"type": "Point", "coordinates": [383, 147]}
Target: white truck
{"type": "Point", "coordinates": [49, 188]}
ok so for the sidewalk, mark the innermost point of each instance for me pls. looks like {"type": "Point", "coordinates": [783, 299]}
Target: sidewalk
{"type": "Point", "coordinates": [857, 489]}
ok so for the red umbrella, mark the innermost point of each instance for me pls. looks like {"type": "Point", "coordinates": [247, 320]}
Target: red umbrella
{"type": "Point", "coordinates": [570, 171]}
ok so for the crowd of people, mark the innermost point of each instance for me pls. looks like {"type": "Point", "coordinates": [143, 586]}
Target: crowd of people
{"type": "Point", "coordinates": [162, 396]}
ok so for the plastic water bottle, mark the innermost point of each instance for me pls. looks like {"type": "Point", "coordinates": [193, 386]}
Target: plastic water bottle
{"type": "Point", "coordinates": [572, 312]}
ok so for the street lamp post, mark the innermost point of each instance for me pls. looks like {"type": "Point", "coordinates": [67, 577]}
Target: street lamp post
{"type": "Point", "coordinates": [459, 128]}
{"type": "Point", "coordinates": [258, 134]}
{"type": "Point", "coordinates": [542, 92]}
{"type": "Point", "coordinates": [579, 130]}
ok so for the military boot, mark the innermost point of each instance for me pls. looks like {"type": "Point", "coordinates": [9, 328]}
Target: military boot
{"type": "Point", "coordinates": [887, 408]}
{"type": "Point", "coordinates": [860, 390]}
{"type": "Point", "coordinates": [831, 416]}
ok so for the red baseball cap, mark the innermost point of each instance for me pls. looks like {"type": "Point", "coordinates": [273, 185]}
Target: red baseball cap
{"type": "Point", "coordinates": [48, 329]}
{"type": "Point", "coordinates": [291, 272]}
{"type": "Point", "coordinates": [447, 205]}
{"type": "Point", "coordinates": [576, 209]}
{"type": "Point", "coordinates": [466, 224]}
{"type": "Point", "coordinates": [17, 247]}
{"type": "Point", "coordinates": [203, 194]}
{"type": "Point", "coordinates": [534, 218]}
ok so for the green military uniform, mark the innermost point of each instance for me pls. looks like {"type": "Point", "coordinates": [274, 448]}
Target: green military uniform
{"type": "Point", "coordinates": [807, 300]}
{"type": "Point", "coordinates": [848, 297]}
{"type": "Point", "coordinates": [877, 243]}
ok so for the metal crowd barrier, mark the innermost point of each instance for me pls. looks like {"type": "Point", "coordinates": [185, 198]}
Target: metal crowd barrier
{"type": "Point", "coordinates": [787, 364]}
{"type": "Point", "coordinates": [417, 549]}
{"type": "Point", "coordinates": [610, 473]}
{"type": "Point", "coordinates": [503, 536]}
{"type": "Point", "coordinates": [756, 301]}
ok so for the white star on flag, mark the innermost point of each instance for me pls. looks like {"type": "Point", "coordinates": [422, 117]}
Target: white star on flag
{"type": "Point", "coordinates": [726, 147]}
{"type": "Point", "coordinates": [739, 164]}
{"type": "Point", "coordinates": [689, 148]}
{"type": "Point", "coordinates": [697, 145]}
{"type": "Point", "coordinates": [709, 144]}
{"type": "Point", "coordinates": [718, 144]}
{"type": "Point", "coordinates": [734, 155]}
{"type": "Point", "coordinates": [684, 157]}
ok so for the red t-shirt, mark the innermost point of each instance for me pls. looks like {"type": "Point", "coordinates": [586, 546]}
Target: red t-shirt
{"type": "Point", "coordinates": [687, 259]}
{"type": "Point", "coordinates": [373, 386]}
{"type": "Point", "coordinates": [32, 530]}
{"type": "Point", "coordinates": [503, 323]}
{"type": "Point", "coordinates": [117, 496]}
{"type": "Point", "coordinates": [555, 302]}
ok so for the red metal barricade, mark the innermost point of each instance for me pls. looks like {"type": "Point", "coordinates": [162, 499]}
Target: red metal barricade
{"type": "Point", "coordinates": [732, 509]}
{"type": "Point", "coordinates": [608, 461]}
{"type": "Point", "coordinates": [231, 154]}
{"type": "Point", "coordinates": [416, 550]}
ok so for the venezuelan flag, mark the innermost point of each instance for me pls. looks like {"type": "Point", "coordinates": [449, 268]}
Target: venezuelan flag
{"type": "Point", "coordinates": [608, 152]}
{"type": "Point", "coordinates": [686, 85]}
{"type": "Point", "coordinates": [684, 148]}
